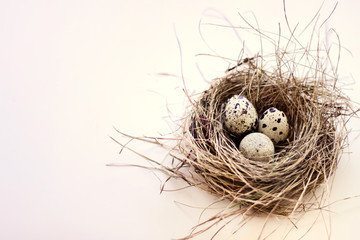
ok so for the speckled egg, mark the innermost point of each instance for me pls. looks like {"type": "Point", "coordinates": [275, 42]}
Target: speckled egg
{"type": "Point", "coordinates": [273, 123]}
{"type": "Point", "coordinates": [240, 115]}
{"type": "Point", "coordinates": [257, 146]}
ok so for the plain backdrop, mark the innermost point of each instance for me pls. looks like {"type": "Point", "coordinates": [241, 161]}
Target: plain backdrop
{"type": "Point", "coordinates": [71, 71]}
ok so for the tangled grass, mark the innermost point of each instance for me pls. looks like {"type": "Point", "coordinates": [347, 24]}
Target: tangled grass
{"type": "Point", "coordinates": [206, 155]}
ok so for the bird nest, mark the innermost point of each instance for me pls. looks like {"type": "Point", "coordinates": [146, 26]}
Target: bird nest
{"type": "Point", "coordinates": [208, 157]}
{"type": "Point", "coordinates": [315, 109]}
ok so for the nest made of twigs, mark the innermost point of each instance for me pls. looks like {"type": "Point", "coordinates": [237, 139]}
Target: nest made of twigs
{"type": "Point", "coordinates": [207, 156]}
{"type": "Point", "coordinates": [301, 81]}
{"type": "Point", "coordinates": [315, 109]}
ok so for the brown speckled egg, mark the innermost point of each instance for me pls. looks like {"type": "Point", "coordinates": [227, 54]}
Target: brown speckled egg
{"type": "Point", "coordinates": [257, 146]}
{"type": "Point", "coordinates": [240, 115]}
{"type": "Point", "coordinates": [273, 123]}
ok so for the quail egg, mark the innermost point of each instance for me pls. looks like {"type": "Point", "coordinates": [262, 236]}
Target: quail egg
{"type": "Point", "coordinates": [240, 115]}
{"type": "Point", "coordinates": [273, 123]}
{"type": "Point", "coordinates": [257, 146]}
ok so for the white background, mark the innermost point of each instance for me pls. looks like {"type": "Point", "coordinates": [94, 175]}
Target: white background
{"type": "Point", "coordinates": [70, 71]}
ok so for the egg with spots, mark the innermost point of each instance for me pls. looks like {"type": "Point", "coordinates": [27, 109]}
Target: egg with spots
{"type": "Point", "coordinates": [257, 146]}
{"type": "Point", "coordinates": [274, 124]}
{"type": "Point", "coordinates": [240, 115]}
